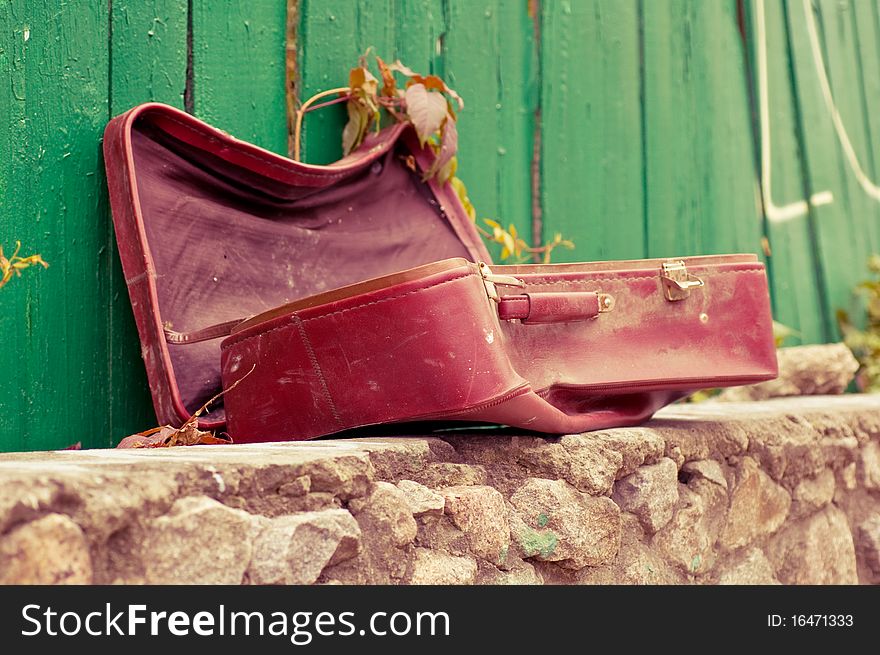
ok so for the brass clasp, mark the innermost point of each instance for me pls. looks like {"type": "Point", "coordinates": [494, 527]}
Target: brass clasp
{"type": "Point", "coordinates": [490, 281]}
{"type": "Point", "coordinates": [677, 282]}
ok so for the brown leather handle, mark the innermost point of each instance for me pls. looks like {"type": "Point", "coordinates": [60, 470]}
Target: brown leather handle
{"type": "Point", "coordinates": [553, 307]}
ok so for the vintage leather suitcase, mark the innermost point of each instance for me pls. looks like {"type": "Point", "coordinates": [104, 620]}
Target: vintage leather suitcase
{"type": "Point", "coordinates": [371, 298]}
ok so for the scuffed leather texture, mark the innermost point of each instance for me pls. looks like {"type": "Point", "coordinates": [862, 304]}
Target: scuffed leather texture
{"type": "Point", "coordinates": [436, 349]}
{"type": "Point", "coordinates": [211, 229]}
{"type": "Point", "coordinates": [549, 307]}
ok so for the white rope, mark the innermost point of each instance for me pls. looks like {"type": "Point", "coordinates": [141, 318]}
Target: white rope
{"type": "Point", "coordinates": [773, 212]}
{"type": "Point", "coordinates": [867, 185]}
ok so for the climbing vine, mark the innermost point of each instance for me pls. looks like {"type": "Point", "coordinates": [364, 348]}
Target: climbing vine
{"type": "Point", "coordinates": [429, 105]}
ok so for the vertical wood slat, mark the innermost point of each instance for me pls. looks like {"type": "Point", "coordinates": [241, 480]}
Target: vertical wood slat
{"type": "Point", "coordinates": [592, 159]}
{"type": "Point", "coordinates": [700, 166]}
{"type": "Point", "coordinates": [148, 50]}
{"type": "Point", "coordinates": [840, 232]}
{"type": "Point", "coordinates": [238, 51]}
{"type": "Point", "coordinates": [496, 76]}
{"type": "Point", "coordinates": [54, 348]}
{"type": "Point", "coordinates": [468, 44]}
{"type": "Point", "coordinates": [795, 284]}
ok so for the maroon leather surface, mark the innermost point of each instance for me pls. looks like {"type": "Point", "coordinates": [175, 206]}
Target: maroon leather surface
{"type": "Point", "coordinates": [549, 307]}
{"type": "Point", "coordinates": [435, 348]}
{"type": "Point", "coordinates": [211, 229]}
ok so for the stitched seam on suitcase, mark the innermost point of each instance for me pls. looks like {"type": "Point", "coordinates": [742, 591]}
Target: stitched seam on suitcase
{"type": "Point", "coordinates": [314, 360]}
{"type": "Point", "coordinates": [623, 278]}
{"type": "Point", "coordinates": [262, 160]}
{"type": "Point", "coordinates": [347, 309]}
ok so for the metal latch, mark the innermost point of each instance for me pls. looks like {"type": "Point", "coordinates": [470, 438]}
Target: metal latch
{"type": "Point", "coordinates": [677, 282]}
{"type": "Point", "coordinates": [490, 280]}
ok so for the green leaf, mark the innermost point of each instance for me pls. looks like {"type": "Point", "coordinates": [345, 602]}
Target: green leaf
{"type": "Point", "coordinates": [448, 171]}
{"type": "Point", "coordinates": [426, 109]}
{"type": "Point", "coordinates": [461, 192]}
{"type": "Point", "coordinates": [509, 243]}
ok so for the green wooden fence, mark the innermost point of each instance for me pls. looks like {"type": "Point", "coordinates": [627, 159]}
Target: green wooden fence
{"type": "Point", "coordinates": [634, 127]}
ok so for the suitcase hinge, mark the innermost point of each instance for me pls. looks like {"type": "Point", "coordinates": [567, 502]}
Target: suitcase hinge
{"type": "Point", "coordinates": [491, 281]}
{"type": "Point", "coordinates": [677, 282]}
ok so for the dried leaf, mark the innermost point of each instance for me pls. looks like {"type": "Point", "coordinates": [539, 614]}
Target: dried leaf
{"type": "Point", "coordinates": [399, 67]}
{"type": "Point", "coordinates": [15, 264]}
{"type": "Point", "coordinates": [410, 162]}
{"type": "Point", "coordinates": [188, 434]}
{"type": "Point", "coordinates": [389, 85]}
{"type": "Point", "coordinates": [781, 332]}
{"type": "Point", "coordinates": [362, 79]}
{"type": "Point", "coordinates": [356, 128]}
{"type": "Point", "coordinates": [426, 109]}
{"type": "Point", "coordinates": [447, 150]}
{"type": "Point", "coordinates": [432, 82]}
{"type": "Point", "coordinates": [509, 242]}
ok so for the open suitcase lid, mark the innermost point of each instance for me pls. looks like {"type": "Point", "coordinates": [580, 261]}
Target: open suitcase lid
{"type": "Point", "coordinates": [212, 229]}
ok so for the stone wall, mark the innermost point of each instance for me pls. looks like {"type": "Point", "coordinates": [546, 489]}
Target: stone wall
{"type": "Point", "coordinates": [776, 491]}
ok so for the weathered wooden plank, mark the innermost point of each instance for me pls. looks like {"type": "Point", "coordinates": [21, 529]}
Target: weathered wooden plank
{"type": "Point", "coordinates": [795, 285]}
{"type": "Point", "coordinates": [592, 167]}
{"type": "Point", "coordinates": [238, 51]}
{"type": "Point", "coordinates": [466, 43]}
{"type": "Point", "coordinates": [843, 243]}
{"type": "Point", "coordinates": [421, 29]}
{"type": "Point", "coordinates": [148, 63]}
{"type": "Point", "coordinates": [700, 166]}
{"type": "Point", "coordinates": [328, 48]}
{"type": "Point", "coordinates": [494, 75]}
{"type": "Point", "coordinates": [867, 58]}
{"type": "Point", "coordinates": [148, 51]}
{"type": "Point", "coordinates": [844, 70]}
{"type": "Point", "coordinates": [55, 388]}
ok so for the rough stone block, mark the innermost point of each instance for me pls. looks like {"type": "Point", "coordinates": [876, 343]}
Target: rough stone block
{"type": "Point", "coordinates": [49, 550]}
{"type": "Point", "coordinates": [803, 371]}
{"type": "Point", "coordinates": [815, 550]}
{"type": "Point", "coordinates": [434, 567]}
{"type": "Point", "coordinates": [753, 568]}
{"type": "Point", "coordinates": [869, 546]}
{"type": "Point", "coordinates": [295, 549]}
{"type": "Point", "coordinates": [758, 506]}
{"type": "Point", "coordinates": [650, 493]}
{"type": "Point", "coordinates": [200, 541]}
{"type": "Point", "coordinates": [557, 523]}
{"type": "Point", "coordinates": [422, 501]}
{"type": "Point", "coordinates": [480, 513]}
{"type": "Point", "coordinates": [812, 494]}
